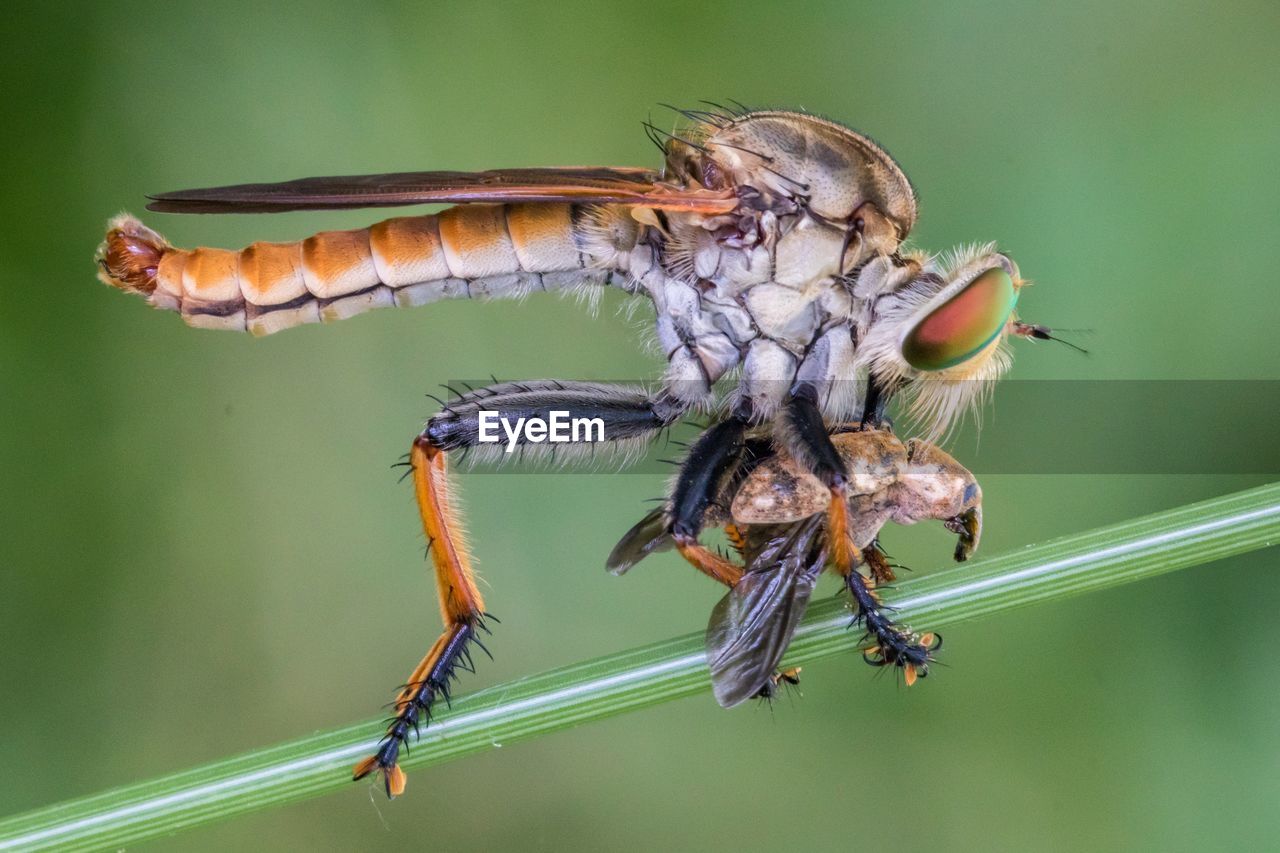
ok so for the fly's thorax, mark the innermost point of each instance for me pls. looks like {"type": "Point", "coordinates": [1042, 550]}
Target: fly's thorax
{"type": "Point", "coordinates": [809, 251]}
{"type": "Point", "coordinates": [838, 198]}
{"type": "Point", "coordinates": [793, 157]}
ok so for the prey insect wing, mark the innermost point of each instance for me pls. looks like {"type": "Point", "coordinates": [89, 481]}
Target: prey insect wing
{"type": "Point", "coordinates": [752, 626]}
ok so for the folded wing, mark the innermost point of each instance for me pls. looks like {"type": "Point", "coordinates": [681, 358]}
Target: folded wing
{"type": "Point", "coordinates": [752, 626]}
{"type": "Point", "coordinates": [630, 186]}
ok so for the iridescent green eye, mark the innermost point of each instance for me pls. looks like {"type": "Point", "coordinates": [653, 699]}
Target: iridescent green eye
{"type": "Point", "coordinates": [961, 327]}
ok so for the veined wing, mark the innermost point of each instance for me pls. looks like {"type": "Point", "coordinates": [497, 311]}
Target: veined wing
{"type": "Point", "coordinates": [643, 187]}
{"type": "Point", "coordinates": [751, 627]}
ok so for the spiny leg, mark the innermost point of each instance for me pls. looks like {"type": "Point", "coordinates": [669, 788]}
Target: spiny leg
{"type": "Point", "coordinates": [713, 565]}
{"type": "Point", "coordinates": [892, 645]}
{"type": "Point", "coordinates": [461, 607]}
{"type": "Point", "coordinates": [811, 444]}
{"type": "Point", "coordinates": [874, 404]}
{"type": "Point", "coordinates": [626, 414]}
{"type": "Point", "coordinates": [878, 563]}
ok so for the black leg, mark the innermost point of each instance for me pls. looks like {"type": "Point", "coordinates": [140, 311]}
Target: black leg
{"type": "Point", "coordinates": [713, 456]}
{"type": "Point", "coordinates": [874, 405]}
{"type": "Point", "coordinates": [712, 465]}
{"type": "Point", "coordinates": [891, 645]}
{"type": "Point", "coordinates": [809, 439]}
{"type": "Point", "coordinates": [619, 415]}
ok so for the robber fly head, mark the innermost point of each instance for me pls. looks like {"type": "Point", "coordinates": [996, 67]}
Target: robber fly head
{"type": "Point", "coordinates": [937, 326]}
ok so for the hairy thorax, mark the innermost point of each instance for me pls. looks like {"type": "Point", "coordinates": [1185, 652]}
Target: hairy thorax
{"type": "Point", "coordinates": [759, 292]}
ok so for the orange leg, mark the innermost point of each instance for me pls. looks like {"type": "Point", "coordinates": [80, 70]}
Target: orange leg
{"type": "Point", "coordinates": [729, 573]}
{"type": "Point", "coordinates": [845, 557]}
{"type": "Point", "coordinates": [709, 562]}
{"type": "Point", "coordinates": [461, 607]}
{"type": "Point", "coordinates": [878, 563]}
{"type": "Point", "coordinates": [737, 538]}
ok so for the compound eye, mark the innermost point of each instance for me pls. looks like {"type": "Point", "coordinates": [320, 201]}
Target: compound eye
{"type": "Point", "coordinates": [964, 325]}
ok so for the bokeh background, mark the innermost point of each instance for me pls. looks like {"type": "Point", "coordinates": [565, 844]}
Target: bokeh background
{"type": "Point", "coordinates": [202, 549]}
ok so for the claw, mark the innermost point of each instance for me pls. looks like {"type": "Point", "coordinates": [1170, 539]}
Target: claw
{"type": "Point", "coordinates": [968, 526]}
{"type": "Point", "coordinates": [790, 676]}
{"type": "Point", "coordinates": [392, 776]}
{"type": "Point", "coordinates": [881, 571]}
{"type": "Point", "coordinates": [364, 768]}
{"type": "Point", "coordinates": [395, 780]}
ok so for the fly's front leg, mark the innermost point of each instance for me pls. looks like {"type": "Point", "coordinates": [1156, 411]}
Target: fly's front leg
{"type": "Point", "coordinates": [810, 443]}
{"type": "Point", "coordinates": [624, 415]}
{"type": "Point", "coordinates": [874, 403]}
{"type": "Point", "coordinates": [891, 645]}
{"type": "Point", "coordinates": [930, 485]}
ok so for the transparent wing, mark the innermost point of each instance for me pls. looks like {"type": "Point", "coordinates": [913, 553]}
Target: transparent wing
{"type": "Point", "coordinates": [569, 184]}
{"type": "Point", "coordinates": [751, 627]}
{"type": "Point", "coordinates": [649, 535]}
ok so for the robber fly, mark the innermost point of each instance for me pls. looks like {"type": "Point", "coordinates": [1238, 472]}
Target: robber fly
{"type": "Point", "coordinates": [771, 242]}
{"type": "Point", "coordinates": [770, 507]}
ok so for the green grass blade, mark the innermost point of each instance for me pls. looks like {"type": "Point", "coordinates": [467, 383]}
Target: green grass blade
{"type": "Point", "coordinates": [1121, 553]}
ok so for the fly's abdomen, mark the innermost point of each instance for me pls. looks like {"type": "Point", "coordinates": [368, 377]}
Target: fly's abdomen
{"type": "Point", "coordinates": [469, 251]}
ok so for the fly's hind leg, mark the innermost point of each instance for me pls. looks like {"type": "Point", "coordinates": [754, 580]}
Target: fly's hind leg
{"type": "Point", "coordinates": [624, 414]}
{"type": "Point", "coordinates": [461, 607]}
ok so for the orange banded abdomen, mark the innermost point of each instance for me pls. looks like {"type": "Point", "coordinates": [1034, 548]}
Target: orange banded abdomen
{"type": "Point", "coordinates": [470, 251]}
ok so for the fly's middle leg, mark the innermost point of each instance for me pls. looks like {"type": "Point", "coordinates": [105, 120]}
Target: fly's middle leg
{"type": "Point", "coordinates": [891, 644]}
{"type": "Point", "coordinates": [810, 443]}
{"type": "Point", "coordinates": [714, 458]}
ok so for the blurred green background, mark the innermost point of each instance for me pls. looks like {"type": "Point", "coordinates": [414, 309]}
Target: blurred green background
{"type": "Point", "coordinates": [202, 549]}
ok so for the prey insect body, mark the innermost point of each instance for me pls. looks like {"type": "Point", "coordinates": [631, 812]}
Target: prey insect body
{"type": "Point", "coordinates": [769, 245]}
{"type": "Point", "coordinates": [782, 521]}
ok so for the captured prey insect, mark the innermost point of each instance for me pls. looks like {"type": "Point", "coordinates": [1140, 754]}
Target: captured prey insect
{"type": "Point", "coordinates": [771, 508]}
{"type": "Point", "coordinates": [770, 243]}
